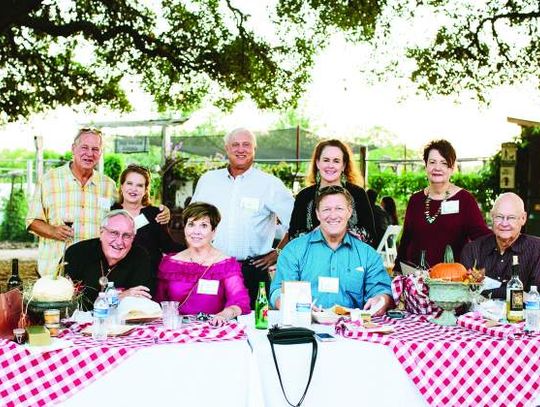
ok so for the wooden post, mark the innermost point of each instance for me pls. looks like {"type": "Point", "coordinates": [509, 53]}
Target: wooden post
{"type": "Point", "coordinates": [29, 178]}
{"type": "Point", "coordinates": [165, 144]}
{"type": "Point", "coordinates": [363, 164]}
{"type": "Point", "coordinates": [38, 142]}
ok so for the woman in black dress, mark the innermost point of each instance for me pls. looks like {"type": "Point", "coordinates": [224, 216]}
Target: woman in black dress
{"type": "Point", "coordinates": [134, 197]}
{"type": "Point", "coordinates": [332, 164]}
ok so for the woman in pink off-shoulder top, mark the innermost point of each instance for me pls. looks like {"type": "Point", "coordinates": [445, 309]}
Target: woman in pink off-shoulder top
{"type": "Point", "coordinates": [201, 278]}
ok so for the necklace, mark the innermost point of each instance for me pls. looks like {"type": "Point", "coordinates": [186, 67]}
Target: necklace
{"type": "Point", "coordinates": [103, 280]}
{"type": "Point", "coordinates": [429, 218]}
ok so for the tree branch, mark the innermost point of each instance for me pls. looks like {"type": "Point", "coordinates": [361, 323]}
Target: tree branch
{"type": "Point", "coordinates": [14, 10]}
{"type": "Point", "coordinates": [146, 44]}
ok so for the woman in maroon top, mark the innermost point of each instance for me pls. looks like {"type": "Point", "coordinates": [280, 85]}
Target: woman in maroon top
{"type": "Point", "coordinates": [441, 214]}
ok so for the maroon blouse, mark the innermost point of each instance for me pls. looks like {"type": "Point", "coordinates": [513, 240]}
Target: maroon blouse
{"type": "Point", "coordinates": [455, 229]}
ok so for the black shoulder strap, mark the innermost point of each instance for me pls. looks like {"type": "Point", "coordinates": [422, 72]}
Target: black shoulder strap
{"type": "Point", "coordinates": [312, 368]}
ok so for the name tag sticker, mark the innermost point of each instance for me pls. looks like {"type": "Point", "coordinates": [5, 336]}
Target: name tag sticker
{"type": "Point", "coordinates": [448, 207]}
{"type": "Point", "coordinates": [250, 204]}
{"type": "Point", "coordinates": [209, 287]}
{"type": "Point", "coordinates": [141, 221]}
{"type": "Point", "coordinates": [104, 203]}
{"type": "Point", "coordinates": [328, 284]}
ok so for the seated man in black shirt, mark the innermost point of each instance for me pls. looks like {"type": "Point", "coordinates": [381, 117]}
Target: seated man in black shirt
{"type": "Point", "coordinates": [495, 252]}
{"type": "Point", "coordinates": [111, 257]}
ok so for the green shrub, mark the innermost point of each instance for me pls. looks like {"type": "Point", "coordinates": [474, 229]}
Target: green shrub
{"type": "Point", "coordinates": [13, 226]}
{"type": "Point", "coordinates": [113, 166]}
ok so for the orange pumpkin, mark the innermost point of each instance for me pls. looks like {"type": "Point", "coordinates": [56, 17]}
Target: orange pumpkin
{"type": "Point", "coordinates": [449, 272]}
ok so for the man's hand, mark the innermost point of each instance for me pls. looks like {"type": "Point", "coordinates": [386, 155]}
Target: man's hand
{"type": "Point", "coordinates": [164, 216]}
{"type": "Point", "coordinates": [373, 303]}
{"type": "Point", "coordinates": [139, 291]}
{"type": "Point", "coordinates": [266, 261]}
{"type": "Point", "coordinates": [44, 229]}
{"type": "Point", "coordinates": [61, 232]}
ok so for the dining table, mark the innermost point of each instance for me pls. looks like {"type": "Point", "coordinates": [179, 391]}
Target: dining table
{"type": "Point", "coordinates": [419, 363]}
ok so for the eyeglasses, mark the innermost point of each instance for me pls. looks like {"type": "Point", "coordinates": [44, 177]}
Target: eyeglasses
{"type": "Point", "coordinates": [90, 130]}
{"type": "Point", "coordinates": [501, 218]}
{"type": "Point", "coordinates": [332, 189]}
{"type": "Point", "coordinates": [116, 234]}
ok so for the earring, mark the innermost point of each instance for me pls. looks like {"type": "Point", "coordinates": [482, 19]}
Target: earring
{"type": "Point", "coordinates": [318, 178]}
{"type": "Point", "coordinates": [343, 179]}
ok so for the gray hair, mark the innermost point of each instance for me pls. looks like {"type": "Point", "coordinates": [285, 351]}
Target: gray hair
{"type": "Point", "coordinates": [240, 130]}
{"type": "Point", "coordinates": [88, 130]}
{"type": "Point", "coordinates": [118, 212]}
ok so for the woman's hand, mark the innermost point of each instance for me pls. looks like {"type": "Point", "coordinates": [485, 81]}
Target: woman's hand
{"type": "Point", "coordinates": [226, 314]}
{"type": "Point", "coordinates": [139, 291]}
{"type": "Point", "coordinates": [217, 321]}
{"type": "Point", "coordinates": [164, 215]}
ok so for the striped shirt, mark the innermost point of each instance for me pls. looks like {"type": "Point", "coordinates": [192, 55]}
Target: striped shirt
{"type": "Point", "coordinates": [59, 197]}
{"type": "Point", "coordinates": [499, 266]}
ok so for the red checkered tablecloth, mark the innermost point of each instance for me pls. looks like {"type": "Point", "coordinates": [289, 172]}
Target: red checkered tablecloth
{"type": "Point", "coordinates": [455, 366]}
{"type": "Point", "coordinates": [40, 379]}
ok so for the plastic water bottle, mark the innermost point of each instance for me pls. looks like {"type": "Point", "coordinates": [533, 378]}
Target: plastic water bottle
{"type": "Point", "coordinates": [113, 300]}
{"type": "Point", "coordinates": [532, 310]}
{"type": "Point", "coordinates": [101, 313]}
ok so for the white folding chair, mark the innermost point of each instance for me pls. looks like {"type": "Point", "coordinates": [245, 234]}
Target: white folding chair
{"type": "Point", "coordinates": [387, 246]}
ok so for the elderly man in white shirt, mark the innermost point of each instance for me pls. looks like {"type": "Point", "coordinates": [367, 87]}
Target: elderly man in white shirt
{"type": "Point", "coordinates": [250, 201]}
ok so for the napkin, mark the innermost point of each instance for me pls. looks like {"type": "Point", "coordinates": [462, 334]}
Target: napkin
{"type": "Point", "coordinates": [476, 322]}
{"type": "Point", "coordinates": [139, 305]}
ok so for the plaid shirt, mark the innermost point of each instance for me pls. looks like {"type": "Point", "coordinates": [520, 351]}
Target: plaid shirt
{"type": "Point", "coordinates": [60, 196]}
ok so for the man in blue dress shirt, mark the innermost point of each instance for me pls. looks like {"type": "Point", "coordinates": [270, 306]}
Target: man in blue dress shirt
{"type": "Point", "coordinates": [342, 269]}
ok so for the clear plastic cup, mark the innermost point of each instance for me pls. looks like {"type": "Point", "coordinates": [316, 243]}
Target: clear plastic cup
{"type": "Point", "coordinates": [171, 319]}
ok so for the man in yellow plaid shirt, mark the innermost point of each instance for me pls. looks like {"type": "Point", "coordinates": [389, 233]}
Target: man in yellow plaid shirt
{"type": "Point", "coordinates": [72, 194]}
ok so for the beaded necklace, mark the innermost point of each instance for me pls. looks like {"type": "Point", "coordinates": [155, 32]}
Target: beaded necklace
{"type": "Point", "coordinates": [430, 219]}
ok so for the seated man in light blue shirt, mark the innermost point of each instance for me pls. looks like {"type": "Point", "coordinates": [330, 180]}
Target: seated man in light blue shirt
{"type": "Point", "coordinates": [342, 269]}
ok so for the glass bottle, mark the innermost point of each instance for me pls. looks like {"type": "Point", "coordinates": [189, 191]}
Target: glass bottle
{"type": "Point", "coordinates": [14, 280]}
{"type": "Point", "coordinates": [514, 295]}
{"type": "Point", "coordinates": [423, 266]}
{"type": "Point", "coordinates": [261, 308]}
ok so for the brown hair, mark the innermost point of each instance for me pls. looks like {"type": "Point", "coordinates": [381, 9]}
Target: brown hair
{"type": "Point", "coordinates": [198, 210]}
{"type": "Point", "coordinates": [351, 171]}
{"type": "Point", "coordinates": [141, 171]}
{"type": "Point", "coordinates": [444, 148]}
{"type": "Point", "coordinates": [333, 190]}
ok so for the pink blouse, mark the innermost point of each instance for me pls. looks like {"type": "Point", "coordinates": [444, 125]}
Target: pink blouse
{"type": "Point", "coordinates": [176, 278]}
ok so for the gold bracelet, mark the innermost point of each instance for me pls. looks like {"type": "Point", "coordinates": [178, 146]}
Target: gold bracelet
{"type": "Point", "coordinates": [278, 250]}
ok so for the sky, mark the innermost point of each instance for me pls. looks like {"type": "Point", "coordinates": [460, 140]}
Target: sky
{"type": "Point", "coordinates": [339, 102]}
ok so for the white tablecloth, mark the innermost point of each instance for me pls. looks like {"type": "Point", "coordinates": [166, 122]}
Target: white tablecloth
{"type": "Point", "coordinates": [198, 374]}
{"type": "Point", "coordinates": [347, 372]}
